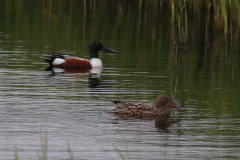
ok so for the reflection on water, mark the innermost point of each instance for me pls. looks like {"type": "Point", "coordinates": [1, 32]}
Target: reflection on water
{"type": "Point", "coordinates": [164, 125]}
{"type": "Point", "coordinates": [93, 78]}
{"type": "Point", "coordinates": [161, 123]}
{"type": "Point", "coordinates": [65, 108]}
{"type": "Point", "coordinates": [56, 70]}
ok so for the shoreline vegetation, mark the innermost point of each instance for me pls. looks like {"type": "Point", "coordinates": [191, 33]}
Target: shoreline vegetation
{"type": "Point", "coordinates": [212, 16]}
{"type": "Point", "coordinates": [218, 16]}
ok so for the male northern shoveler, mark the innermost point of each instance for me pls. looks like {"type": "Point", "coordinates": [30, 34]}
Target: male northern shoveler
{"type": "Point", "coordinates": [59, 60]}
{"type": "Point", "coordinates": [144, 109]}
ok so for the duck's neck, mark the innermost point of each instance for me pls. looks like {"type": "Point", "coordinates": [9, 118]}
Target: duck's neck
{"type": "Point", "coordinates": [160, 107]}
{"type": "Point", "coordinates": [93, 53]}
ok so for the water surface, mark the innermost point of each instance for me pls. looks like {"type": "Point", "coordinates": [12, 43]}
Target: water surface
{"type": "Point", "coordinates": [69, 108]}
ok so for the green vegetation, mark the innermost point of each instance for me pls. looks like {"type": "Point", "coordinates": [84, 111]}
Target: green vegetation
{"type": "Point", "coordinates": [213, 15]}
{"type": "Point", "coordinates": [15, 155]}
{"type": "Point", "coordinates": [44, 147]}
{"type": "Point", "coordinates": [118, 151]}
{"type": "Point", "coordinates": [44, 150]}
{"type": "Point", "coordinates": [71, 157]}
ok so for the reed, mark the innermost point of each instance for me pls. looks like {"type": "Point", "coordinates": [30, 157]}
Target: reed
{"type": "Point", "coordinates": [70, 152]}
{"type": "Point", "coordinates": [222, 16]}
{"type": "Point", "coordinates": [118, 151]}
{"type": "Point", "coordinates": [44, 148]}
{"type": "Point", "coordinates": [15, 154]}
{"type": "Point", "coordinates": [219, 15]}
{"type": "Point", "coordinates": [173, 93]}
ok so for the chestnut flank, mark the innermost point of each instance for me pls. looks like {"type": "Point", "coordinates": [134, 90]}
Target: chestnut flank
{"type": "Point", "coordinates": [77, 63]}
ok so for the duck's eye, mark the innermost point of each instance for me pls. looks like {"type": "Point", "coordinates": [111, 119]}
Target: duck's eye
{"type": "Point", "coordinates": [96, 43]}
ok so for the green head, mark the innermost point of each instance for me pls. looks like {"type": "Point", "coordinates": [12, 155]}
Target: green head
{"type": "Point", "coordinates": [96, 46]}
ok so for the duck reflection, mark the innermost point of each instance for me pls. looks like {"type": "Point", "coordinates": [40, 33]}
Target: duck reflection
{"type": "Point", "coordinates": [58, 70]}
{"type": "Point", "coordinates": [162, 123]}
{"type": "Point", "coordinates": [93, 74]}
{"type": "Point", "coordinates": [94, 77]}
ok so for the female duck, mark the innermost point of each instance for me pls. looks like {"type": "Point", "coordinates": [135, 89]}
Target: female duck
{"type": "Point", "coordinates": [59, 60]}
{"type": "Point", "coordinates": [136, 109]}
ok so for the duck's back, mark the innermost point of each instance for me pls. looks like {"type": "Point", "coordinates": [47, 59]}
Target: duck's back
{"type": "Point", "coordinates": [138, 109]}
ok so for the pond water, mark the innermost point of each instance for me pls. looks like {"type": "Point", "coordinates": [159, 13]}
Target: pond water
{"type": "Point", "coordinates": [57, 110]}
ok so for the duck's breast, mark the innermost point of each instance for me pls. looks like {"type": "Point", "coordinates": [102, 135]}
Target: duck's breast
{"type": "Point", "coordinates": [96, 62]}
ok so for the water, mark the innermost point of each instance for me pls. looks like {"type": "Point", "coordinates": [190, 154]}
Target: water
{"type": "Point", "coordinates": [68, 107]}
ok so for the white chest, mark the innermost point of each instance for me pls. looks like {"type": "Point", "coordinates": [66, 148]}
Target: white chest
{"type": "Point", "coordinates": [96, 62]}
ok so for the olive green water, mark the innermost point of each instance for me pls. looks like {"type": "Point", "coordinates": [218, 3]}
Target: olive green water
{"type": "Point", "coordinates": [202, 76]}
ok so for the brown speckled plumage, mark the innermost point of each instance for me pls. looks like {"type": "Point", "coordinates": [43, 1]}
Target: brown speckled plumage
{"type": "Point", "coordinates": [159, 109]}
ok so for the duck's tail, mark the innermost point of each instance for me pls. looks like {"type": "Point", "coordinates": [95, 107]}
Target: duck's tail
{"type": "Point", "coordinates": [48, 60]}
{"type": "Point", "coordinates": [116, 102]}
{"type": "Point", "coordinates": [58, 55]}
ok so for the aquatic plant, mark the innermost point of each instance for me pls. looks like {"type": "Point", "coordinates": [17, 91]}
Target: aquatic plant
{"type": "Point", "coordinates": [44, 148]}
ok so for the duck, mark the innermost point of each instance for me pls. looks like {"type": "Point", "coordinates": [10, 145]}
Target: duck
{"type": "Point", "coordinates": [68, 61]}
{"type": "Point", "coordinates": [143, 109]}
